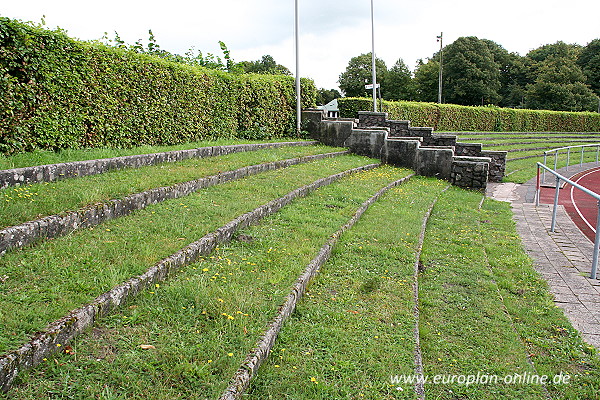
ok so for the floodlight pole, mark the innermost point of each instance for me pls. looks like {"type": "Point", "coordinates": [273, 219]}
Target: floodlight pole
{"type": "Point", "coordinates": [439, 39]}
{"type": "Point", "coordinates": [374, 72]}
{"type": "Point", "coordinates": [373, 60]}
{"type": "Point", "coordinates": [298, 93]}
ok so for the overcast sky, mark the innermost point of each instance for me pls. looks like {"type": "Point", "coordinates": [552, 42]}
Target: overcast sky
{"type": "Point", "coordinates": [331, 31]}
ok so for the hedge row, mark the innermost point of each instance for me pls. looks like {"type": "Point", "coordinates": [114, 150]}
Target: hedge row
{"type": "Point", "coordinates": [449, 117]}
{"type": "Point", "coordinates": [56, 92]}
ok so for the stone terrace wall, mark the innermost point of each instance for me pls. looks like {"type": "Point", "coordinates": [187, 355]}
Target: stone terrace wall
{"type": "Point", "coordinates": [497, 166]}
{"type": "Point", "coordinates": [62, 224]}
{"type": "Point", "coordinates": [413, 151]}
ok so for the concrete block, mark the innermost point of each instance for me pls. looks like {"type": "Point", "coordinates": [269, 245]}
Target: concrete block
{"type": "Point", "coordinates": [434, 162]}
{"type": "Point", "coordinates": [368, 143]}
{"type": "Point", "coordinates": [401, 152]}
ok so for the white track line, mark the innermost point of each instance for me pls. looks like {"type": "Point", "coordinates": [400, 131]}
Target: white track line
{"type": "Point", "coordinates": [575, 205]}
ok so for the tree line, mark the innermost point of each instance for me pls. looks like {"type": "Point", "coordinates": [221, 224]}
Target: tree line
{"type": "Point", "coordinates": [557, 76]}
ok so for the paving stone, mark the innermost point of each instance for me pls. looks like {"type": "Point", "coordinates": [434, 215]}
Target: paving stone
{"type": "Point", "coordinates": [586, 298]}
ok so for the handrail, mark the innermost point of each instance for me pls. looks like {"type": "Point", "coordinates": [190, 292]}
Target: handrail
{"type": "Point", "coordinates": [571, 147]}
{"type": "Point", "coordinates": [568, 148]}
{"type": "Point", "coordinates": [587, 191]}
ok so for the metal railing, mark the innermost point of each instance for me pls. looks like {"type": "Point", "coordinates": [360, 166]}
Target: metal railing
{"type": "Point", "coordinates": [595, 195]}
{"type": "Point", "coordinates": [568, 149]}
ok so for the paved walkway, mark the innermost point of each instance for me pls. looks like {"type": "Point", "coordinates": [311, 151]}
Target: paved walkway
{"type": "Point", "coordinates": [563, 258]}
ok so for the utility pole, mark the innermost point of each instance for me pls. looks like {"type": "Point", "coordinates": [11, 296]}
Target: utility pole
{"type": "Point", "coordinates": [373, 60]}
{"type": "Point", "coordinates": [439, 39]}
{"type": "Point", "coordinates": [298, 94]}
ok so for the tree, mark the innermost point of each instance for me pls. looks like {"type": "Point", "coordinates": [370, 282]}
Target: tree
{"type": "Point", "coordinates": [589, 62]}
{"type": "Point", "coordinates": [399, 83]}
{"type": "Point", "coordinates": [471, 76]}
{"type": "Point", "coordinates": [324, 96]}
{"type": "Point", "coordinates": [556, 50]}
{"type": "Point", "coordinates": [514, 75]}
{"type": "Point", "coordinates": [358, 73]}
{"type": "Point", "coordinates": [266, 65]}
{"type": "Point", "coordinates": [560, 85]}
{"type": "Point", "coordinates": [558, 81]}
{"type": "Point", "coordinates": [426, 80]}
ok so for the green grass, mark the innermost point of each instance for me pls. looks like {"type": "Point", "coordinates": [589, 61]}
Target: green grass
{"type": "Point", "coordinates": [554, 345]}
{"type": "Point", "coordinates": [43, 157]}
{"type": "Point", "coordinates": [464, 328]}
{"type": "Point", "coordinates": [535, 146]}
{"type": "Point", "coordinates": [203, 322]}
{"type": "Point", "coordinates": [354, 329]}
{"type": "Point", "coordinates": [525, 137]}
{"type": "Point", "coordinates": [44, 282]}
{"type": "Point", "coordinates": [483, 307]}
{"type": "Point", "coordinates": [25, 203]}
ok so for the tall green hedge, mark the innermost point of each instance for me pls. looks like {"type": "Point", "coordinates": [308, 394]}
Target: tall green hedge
{"type": "Point", "coordinates": [449, 117]}
{"type": "Point", "coordinates": [56, 92]}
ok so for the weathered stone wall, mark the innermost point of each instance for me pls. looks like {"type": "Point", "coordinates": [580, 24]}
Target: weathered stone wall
{"type": "Point", "coordinates": [497, 165]}
{"type": "Point", "coordinates": [470, 172]}
{"type": "Point", "coordinates": [423, 132]}
{"type": "Point", "coordinates": [369, 143]}
{"type": "Point", "coordinates": [399, 128]}
{"type": "Point", "coordinates": [401, 151]}
{"type": "Point", "coordinates": [418, 148]}
{"type": "Point", "coordinates": [368, 119]}
{"type": "Point", "coordinates": [468, 149]}
{"type": "Point", "coordinates": [437, 139]}
{"type": "Point", "coordinates": [52, 172]}
{"type": "Point", "coordinates": [402, 128]}
{"type": "Point", "coordinates": [335, 134]}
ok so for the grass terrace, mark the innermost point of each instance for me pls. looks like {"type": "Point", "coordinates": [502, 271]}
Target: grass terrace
{"type": "Point", "coordinates": [43, 157]}
{"type": "Point", "coordinates": [28, 202]}
{"type": "Point", "coordinates": [202, 323]}
{"type": "Point", "coordinates": [482, 307]}
{"type": "Point", "coordinates": [45, 281]}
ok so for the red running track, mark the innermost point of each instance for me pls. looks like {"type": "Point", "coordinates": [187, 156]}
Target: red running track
{"type": "Point", "coordinates": [581, 207]}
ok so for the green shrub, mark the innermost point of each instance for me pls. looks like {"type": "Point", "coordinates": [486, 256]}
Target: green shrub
{"type": "Point", "coordinates": [450, 117]}
{"type": "Point", "coordinates": [56, 92]}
